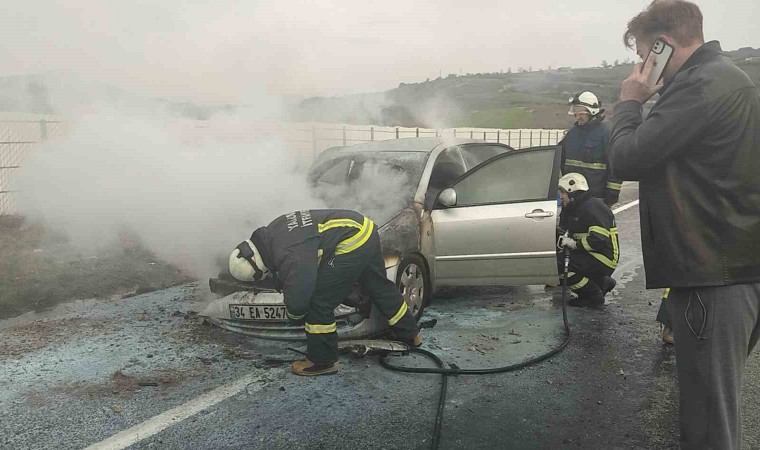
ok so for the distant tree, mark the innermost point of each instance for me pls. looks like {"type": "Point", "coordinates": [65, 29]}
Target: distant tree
{"type": "Point", "coordinates": [451, 75]}
{"type": "Point", "coordinates": [427, 80]}
{"type": "Point", "coordinates": [616, 63]}
{"type": "Point", "coordinates": [509, 70]}
{"type": "Point", "coordinates": [605, 64]}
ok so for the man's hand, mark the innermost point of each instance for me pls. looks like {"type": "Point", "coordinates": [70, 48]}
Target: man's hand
{"type": "Point", "coordinates": [565, 241]}
{"type": "Point", "coordinates": [635, 87]}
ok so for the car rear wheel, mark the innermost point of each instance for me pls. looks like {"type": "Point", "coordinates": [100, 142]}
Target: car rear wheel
{"type": "Point", "coordinates": [414, 283]}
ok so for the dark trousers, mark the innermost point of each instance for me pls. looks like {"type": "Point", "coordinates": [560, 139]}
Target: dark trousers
{"type": "Point", "coordinates": [663, 316]}
{"type": "Point", "coordinates": [586, 273]}
{"type": "Point", "coordinates": [335, 279]}
{"type": "Point", "coordinates": [715, 329]}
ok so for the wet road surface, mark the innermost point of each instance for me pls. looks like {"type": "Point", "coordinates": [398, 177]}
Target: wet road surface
{"type": "Point", "coordinates": [93, 369]}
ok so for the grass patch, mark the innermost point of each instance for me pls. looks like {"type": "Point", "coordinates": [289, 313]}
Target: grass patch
{"type": "Point", "coordinates": [497, 118]}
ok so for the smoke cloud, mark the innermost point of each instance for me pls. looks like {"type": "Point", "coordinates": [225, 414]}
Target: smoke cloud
{"type": "Point", "coordinates": [190, 194]}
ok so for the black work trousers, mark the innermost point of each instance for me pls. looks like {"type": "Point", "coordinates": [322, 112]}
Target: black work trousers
{"type": "Point", "coordinates": [586, 273]}
{"type": "Point", "coordinates": [335, 279]}
{"type": "Point", "coordinates": [715, 329]}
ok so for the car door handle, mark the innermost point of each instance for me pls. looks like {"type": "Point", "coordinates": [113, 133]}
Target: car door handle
{"type": "Point", "coordinates": [538, 213]}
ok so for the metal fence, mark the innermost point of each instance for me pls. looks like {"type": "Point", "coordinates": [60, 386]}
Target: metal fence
{"type": "Point", "coordinates": [17, 139]}
{"type": "Point", "coordinates": [317, 138]}
{"type": "Point", "coordinates": [305, 140]}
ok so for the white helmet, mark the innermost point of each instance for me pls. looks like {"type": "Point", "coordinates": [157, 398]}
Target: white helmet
{"type": "Point", "coordinates": [246, 263]}
{"type": "Point", "coordinates": [585, 100]}
{"type": "Point", "coordinates": [573, 182]}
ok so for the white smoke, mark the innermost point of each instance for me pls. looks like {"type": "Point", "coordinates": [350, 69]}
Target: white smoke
{"type": "Point", "coordinates": [190, 195]}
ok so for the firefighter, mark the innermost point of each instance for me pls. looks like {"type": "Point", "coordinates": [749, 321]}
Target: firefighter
{"type": "Point", "coordinates": [315, 257]}
{"type": "Point", "coordinates": [592, 240]}
{"type": "Point", "coordinates": [584, 148]}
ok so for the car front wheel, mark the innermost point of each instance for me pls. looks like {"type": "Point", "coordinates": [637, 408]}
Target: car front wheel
{"type": "Point", "coordinates": [414, 283]}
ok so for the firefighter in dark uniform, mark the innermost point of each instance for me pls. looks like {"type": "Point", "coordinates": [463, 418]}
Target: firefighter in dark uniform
{"type": "Point", "coordinates": [592, 240]}
{"type": "Point", "coordinates": [315, 257]}
{"type": "Point", "coordinates": [584, 148]}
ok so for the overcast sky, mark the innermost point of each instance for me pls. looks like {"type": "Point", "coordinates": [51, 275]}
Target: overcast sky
{"type": "Point", "coordinates": [235, 50]}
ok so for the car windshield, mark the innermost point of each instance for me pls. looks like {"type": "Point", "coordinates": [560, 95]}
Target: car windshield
{"type": "Point", "coordinates": [379, 184]}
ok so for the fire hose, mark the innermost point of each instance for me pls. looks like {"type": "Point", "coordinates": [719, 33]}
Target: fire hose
{"type": "Point", "coordinates": [446, 372]}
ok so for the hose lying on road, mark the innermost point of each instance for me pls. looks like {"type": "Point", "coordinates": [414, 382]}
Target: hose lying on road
{"type": "Point", "coordinates": [457, 371]}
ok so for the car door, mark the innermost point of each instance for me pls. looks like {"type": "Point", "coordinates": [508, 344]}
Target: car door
{"type": "Point", "coordinates": [501, 228]}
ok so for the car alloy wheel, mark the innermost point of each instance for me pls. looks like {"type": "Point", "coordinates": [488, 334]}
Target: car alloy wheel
{"type": "Point", "coordinates": [413, 283]}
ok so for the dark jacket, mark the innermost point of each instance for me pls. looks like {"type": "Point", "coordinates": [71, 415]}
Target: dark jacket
{"type": "Point", "coordinates": [584, 151]}
{"type": "Point", "coordinates": [697, 157]}
{"type": "Point", "coordinates": [294, 245]}
{"type": "Point", "coordinates": [592, 224]}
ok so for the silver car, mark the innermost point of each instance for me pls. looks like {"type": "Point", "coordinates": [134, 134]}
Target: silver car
{"type": "Point", "coordinates": [454, 212]}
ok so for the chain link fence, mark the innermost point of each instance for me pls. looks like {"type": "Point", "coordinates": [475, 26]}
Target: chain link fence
{"type": "Point", "coordinates": [305, 140]}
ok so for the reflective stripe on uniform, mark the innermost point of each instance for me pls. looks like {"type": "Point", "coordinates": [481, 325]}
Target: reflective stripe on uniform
{"type": "Point", "coordinates": [580, 284]}
{"type": "Point", "coordinates": [614, 186]}
{"type": "Point", "coordinates": [665, 293]}
{"type": "Point", "coordinates": [401, 311]}
{"type": "Point", "coordinates": [612, 235]}
{"type": "Point", "coordinates": [294, 316]}
{"type": "Point", "coordinates": [321, 329]}
{"type": "Point", "coordinates": [357, 240]}
{"type": "Point", "coordinates": [585, 165]}
{"type": "Point", "coordinates": [337, 223]}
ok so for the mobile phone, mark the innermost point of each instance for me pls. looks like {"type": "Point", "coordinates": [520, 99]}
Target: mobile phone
{"type": "Point", "coordinates": [661, 52]}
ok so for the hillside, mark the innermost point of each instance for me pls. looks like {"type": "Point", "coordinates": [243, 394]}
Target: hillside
{"type": "Point", "coordinates": [535, 99]}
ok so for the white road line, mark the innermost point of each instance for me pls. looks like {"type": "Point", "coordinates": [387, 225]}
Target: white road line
{"type": "Point", "coordinates": [163, 421]}
{"type": "Point", "coordinates": [626, 206]}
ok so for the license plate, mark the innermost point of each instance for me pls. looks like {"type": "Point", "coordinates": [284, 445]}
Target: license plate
{"type": "Point", "coordinates": [258, 312]}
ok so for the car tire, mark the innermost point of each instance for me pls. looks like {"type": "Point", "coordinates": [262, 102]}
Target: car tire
{"type": "Point", "coordinates": [413, 280]}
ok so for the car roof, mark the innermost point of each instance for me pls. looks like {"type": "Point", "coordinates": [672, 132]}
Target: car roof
{"type": "Point", "coordinates": [412, 144]}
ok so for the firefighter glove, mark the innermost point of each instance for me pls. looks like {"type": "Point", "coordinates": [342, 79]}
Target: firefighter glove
{"type": "Point", "coordinates": [565, 241]}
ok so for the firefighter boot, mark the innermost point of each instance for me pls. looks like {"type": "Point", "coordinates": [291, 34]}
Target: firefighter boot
{"type": "Point", "coordinates": [588, 296]}
{"type": "Point", "coordinates": [607, 285]}
{"type": "Point", "coordinates": [307, 368]}
{"type": "Point", "coordinates": [416, 341]}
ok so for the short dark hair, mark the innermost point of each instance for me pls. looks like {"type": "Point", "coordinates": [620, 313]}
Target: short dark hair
{"type": "Point", "coordinates": [678, 18]}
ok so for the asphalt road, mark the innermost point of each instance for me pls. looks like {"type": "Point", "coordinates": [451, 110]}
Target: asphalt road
{"type": "Point", "coordinates": [90, 370]}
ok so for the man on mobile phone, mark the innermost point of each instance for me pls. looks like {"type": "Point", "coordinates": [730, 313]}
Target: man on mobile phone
{"type": "Point", "coordinates": [584, 148]}
{"type": "Point", "coordinates": [697, 158]}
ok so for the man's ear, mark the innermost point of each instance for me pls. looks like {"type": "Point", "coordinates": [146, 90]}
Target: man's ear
{"type": "Point", "coordinates": [668, 39]}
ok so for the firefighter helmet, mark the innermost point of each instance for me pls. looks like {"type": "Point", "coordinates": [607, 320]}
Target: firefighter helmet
{"type": "Point", "coordinates": [585, 101]}
{"type": "Point", "coordinates": [246, 263]}
{"type": "Point", "coordinates": [573, 182]}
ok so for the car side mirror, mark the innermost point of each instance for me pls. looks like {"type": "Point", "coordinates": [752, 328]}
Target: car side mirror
{"type": "Point", "coordinates": [447, 198]}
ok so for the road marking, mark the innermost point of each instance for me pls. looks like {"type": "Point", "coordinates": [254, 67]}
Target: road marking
{"type": "Point", "coordinates": [165, 420]}
{"type": "Point", "coordinates": [626, 206]}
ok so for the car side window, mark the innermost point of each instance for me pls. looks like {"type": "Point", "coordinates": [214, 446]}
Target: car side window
{"type": "Point", "coordinates": [517, 177]}
{"type": "Point", "coordinates": [335, 175]}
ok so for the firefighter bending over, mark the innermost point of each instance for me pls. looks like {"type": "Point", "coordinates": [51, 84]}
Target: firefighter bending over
{"type": "Point", "coordinates": [592, 240]}
{"type": "Point", "coordinates": [315, 257]}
